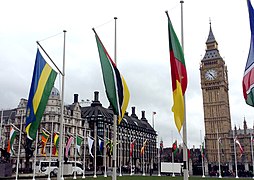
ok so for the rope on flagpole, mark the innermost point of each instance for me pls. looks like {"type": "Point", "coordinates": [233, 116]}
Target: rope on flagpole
{"type": "Point", "coordinates": [104, 23]}
{"type": "Point", "coordinates": [50, 37]}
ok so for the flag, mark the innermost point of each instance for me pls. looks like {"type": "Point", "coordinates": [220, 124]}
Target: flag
{"type": "Point", "coordinates": [42, 83]}
{"type": "Point", "coordinates": [44, 140]}
{"type": "Point", "coordinates": [109, 147]}
{"type": "Point", "coordinates": [221, 146]}
{"type": "Point", "coordinates": [78, 143]}
{"type": "Point", "coordinates": [142, 151]}
{"type": "Point", "coordinates": [178, 75]}
{"type": "Point", "coordinates": [240, 146]}
{"type": "Point", "coordinates": [248, 77]}
{"type": "Point", "coordinates": [132, 147]}
{"type": "Point", "coordinates": [116, 88]}
{"type": "Point", "coordinates": [68, 145]}
{"type": "Point", "coordinates": [174, 147]}
{"type": "Point", "coordinates": [203, 150]}
{"type": "Point", "coordinates": [101, 144]}
{"type": "Point", "coordinates": [161, 146]}
{"type": "Point", "coordinates": [12, 137]}
{"type": "Point", "coordinates": [56, 142]}
{"type": "Point", "coordinates": [90, 145]}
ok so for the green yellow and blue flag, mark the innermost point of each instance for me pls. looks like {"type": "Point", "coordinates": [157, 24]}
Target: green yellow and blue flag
{"type": "Point", "coordinates": [42, 83]}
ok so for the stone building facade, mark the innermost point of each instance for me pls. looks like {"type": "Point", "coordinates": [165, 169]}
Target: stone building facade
{"type": "Point", "coordinates": [92, 119]}
{"type": "Point", "coordinates": [219, 136]}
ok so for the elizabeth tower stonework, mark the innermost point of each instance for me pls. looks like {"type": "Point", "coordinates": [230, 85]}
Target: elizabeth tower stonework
{"type": "Point", "coordinates": [214, 85]}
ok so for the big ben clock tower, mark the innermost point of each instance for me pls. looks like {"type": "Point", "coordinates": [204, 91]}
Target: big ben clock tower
{"type": "Point", "coordinates": [214, 85]}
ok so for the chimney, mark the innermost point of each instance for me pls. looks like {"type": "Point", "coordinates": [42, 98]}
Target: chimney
{"type": "Point", "coordinates": [132, 110]}
{"type": "Point", "coordinates": [133, 114]}
{"type": "Point", "coordinates": [75, 98]}
{"type": "Point", "coordinates": [96, 96]}
{"type": "Point", "coordinates": [96, 101]}
{"type": "Point", "coordinates": [143, 115]}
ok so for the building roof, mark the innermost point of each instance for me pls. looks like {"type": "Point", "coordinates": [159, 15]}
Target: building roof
{"type": "Point", "coordinates": [212, 51]}
{"type": "Point", "coordinates": [96, 110]}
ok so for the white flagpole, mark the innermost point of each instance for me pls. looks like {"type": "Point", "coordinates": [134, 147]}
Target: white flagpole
{"type": "Point", "coordinates": [36, 142]}
{"type": "Point", "coordinates": [159, 163]}
{"type": "Point", "coordinates": [95, 149]}
{"type": "Point", "coordinates": [143, 156]}
{"type": "Point", "coordinates": [114, 177]}
{"type": "Point", "coordinates": [236, 174]}
{"type": "Point", "coordinates": [75, 177]}
{"type": "Point", "coordinates": [84, 159]}
{"type": "Point", "coordinates": [218, 148]}
{"type": "Point", "coordinates": [130, 157]}
{"type": "Point", "coordinates": [120, 153]}
{"type": "Point", "coordinates": [185, 155]}
{"type": "Point", "coordinates": [173, 164]}
{"type": "Point", "coordinates": [1, 124]}
{"type": "Point", "coordinates": [251, 142]}
{"type": "Point", "coordinates": [202, 155]}
{"type": "Point", "coordinates": [62, 117]}
{"type": "Point", "coordinates": [64, 133]}
{"type": "Point", "coordinates": [104, 153]}
{"type": "Point", "coordinates": [20, 134]}
{"type": "Point", "coordinates": [50, 155]}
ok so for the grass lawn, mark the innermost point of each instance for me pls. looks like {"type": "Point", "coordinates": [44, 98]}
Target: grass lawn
{"type": "Point", "coordinates": [157, 178]}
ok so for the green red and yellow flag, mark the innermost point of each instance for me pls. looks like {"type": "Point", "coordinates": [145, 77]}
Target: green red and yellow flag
{"type": "Point", "coordinates": [44, 140]}
{"type": "Point", "coordinates": [178, 74]}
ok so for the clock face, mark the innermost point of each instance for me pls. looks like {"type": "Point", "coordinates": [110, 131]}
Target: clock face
{"type": "Point", "coordinates": [211, 74]}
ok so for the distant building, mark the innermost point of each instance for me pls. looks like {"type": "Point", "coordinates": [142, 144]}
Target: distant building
{"type": "Point", "coordinates": [92, 118]}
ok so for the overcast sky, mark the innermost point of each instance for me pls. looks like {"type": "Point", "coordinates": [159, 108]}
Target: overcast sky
{"type": "Point", "coordinates": [142, 52]}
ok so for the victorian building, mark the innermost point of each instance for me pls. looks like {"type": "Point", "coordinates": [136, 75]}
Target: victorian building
{"type": "Point", "coordinates": [92, 120]}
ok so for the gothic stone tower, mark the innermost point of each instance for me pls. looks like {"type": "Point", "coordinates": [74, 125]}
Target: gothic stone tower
{"type": "Point", "coordinates": [214, 85]}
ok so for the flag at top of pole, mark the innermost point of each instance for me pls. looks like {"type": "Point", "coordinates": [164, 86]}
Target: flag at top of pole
{"type": "Point", "coordinates": [248, 78]}
{"type": "Point", "coordinates": [178, 75]}
{"type": "Point", "coordinates": [42, 83]}
{"type": "Point", "coordinates": [116, 88]}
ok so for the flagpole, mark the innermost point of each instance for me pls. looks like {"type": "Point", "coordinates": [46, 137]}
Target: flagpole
{"type": "Point", "coordinates": [62, 150]}
{"type": "Point", "coordinates": [62, 117]}
{"type": "Point", "coordinates": [185, 157]}
{"type": "Point", "coordinates": [95, 148]}
{"type": "Point", "coordinates": [236, 174]}
{"type": "Point", "coordinates": [1, 124]}
{"type": "Point", "coordinates": [51, 139]}
{"type": "Point", "coordinates": [218, 155]}
{"type": "Point", "coordinates": [120, 148]}
{"type": "Point", "coordinates": [130, 156]}
{"type": "Point", "coordinates": [202, 155]}
{"type": "Point", "coordinates": [153, 118]}
{"type": "Point", "coordinates": [114, 125]}
{"type": "Point", "coordinates": [104, 152]}
{"type": "Point", "coordinates": [20, 134]}
{"type": "Point", "coordinates": [84, 159]}
{"type": "Point", "coordinates": [173, 175]}
{"type": "Point", "coordinates": [143, 155]}
{"type": "Point", "coordinates": [251, 141]}
{"type": "Point", "coordinates": [75, 177]}
{"type": "Point", "coordinates": [36, 142]}
{"type": "Point", "coordinates": [159, 163]}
